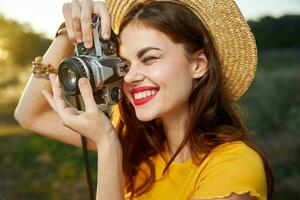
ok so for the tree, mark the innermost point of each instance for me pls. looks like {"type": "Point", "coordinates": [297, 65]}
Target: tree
{"type": "Point", "coordinates": [276, 33]}
{"type": "Point", "coordinates": [20, 42]}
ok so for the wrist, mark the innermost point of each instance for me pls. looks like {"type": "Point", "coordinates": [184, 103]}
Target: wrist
{"type": "Point", "coordinates": [108, 141]}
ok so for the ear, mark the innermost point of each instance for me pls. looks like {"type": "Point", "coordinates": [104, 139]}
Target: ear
{"type": "Point", "coordinates": [199, 64]}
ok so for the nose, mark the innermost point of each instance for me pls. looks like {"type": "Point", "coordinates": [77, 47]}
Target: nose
{"type": "Point", "coordinates": [134, 75]}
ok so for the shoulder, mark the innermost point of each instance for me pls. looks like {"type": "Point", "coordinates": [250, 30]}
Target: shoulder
{"type": "Point", "coordinates": [235, 152]}
{"type": "Point", "coordinates": [232, 167]}
{"type": "Point", "coordinates": [237, 160]}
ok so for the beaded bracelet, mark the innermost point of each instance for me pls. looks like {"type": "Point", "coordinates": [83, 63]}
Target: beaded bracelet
{"type": "Point", "coordinates": [41, 70]}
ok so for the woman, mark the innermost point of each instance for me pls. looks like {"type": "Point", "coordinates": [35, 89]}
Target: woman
{"type": "Point", "coordinates": [179, 135]}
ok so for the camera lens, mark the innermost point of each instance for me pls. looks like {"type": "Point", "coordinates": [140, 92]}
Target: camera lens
{"type": "Point", "coordinates": [71, 77]}
{"type": "Point", "coordinates": [71, 70]}
{"type": "Point", "coordinates": [116, 94]}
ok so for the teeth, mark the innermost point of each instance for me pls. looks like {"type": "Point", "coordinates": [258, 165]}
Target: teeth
{"type": "Point", "coordinates": [144, 94]}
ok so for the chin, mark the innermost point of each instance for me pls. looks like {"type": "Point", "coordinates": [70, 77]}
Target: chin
{"type": "Point", "coordinates": [145, 115]}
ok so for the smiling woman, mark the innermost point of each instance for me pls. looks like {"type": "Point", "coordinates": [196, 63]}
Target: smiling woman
{"type": "Point", "coordinates": [177, 133]}
{"type": "Point", "coordinates": [163, 69]}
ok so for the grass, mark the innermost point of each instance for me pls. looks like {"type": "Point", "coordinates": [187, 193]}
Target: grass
{"type": "Point", "coordinates": [273, 114]}
{"type": "Point", "coordinates": [33, 167]}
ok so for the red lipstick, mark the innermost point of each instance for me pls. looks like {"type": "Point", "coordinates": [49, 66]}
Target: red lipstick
{"type": "Point", "coordinates": [143, 88]}
{"type": "Point", "coordinates": [142, 101]}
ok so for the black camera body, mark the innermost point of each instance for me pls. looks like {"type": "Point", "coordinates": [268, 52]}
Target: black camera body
{"type": "Point", "coordinates": [99, 65]}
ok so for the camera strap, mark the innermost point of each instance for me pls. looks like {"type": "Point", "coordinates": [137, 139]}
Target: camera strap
{"type": "Point", "coordinates": [86, 157]}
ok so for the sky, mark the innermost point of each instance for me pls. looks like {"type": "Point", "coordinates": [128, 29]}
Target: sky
{"type": "Point", "coordinates": [46, 15]}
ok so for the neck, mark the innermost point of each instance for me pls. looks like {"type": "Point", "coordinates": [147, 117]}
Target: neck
{"type": "Point", "coordinates": [174, 126]}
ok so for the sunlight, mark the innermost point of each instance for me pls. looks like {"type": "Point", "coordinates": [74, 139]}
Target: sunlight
{"type": "Point", "coordinates": [3, 53]}
{"type": "Point", "coordinates": [10, 130]}
{"type": "Point", "coordinates": [22, 13]}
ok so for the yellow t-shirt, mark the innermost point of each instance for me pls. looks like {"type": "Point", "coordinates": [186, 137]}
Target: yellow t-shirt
{"type": "Point", "coordinates": [230, 168]}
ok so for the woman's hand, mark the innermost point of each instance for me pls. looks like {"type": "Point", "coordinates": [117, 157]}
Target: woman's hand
{"type": "Point", "coordinates": [96, 126]}
{"type": "Point", "coordinates": [92, 123]}
{"type": "Point", "coordinates": [78, 19]}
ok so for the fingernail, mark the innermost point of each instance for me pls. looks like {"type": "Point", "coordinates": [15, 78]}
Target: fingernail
{"type": "Point", "coordinates": [82, 81]}
{"type": "Point", "coordinates": [52, 77]}
{"type": "Point", "coordinates": [106, 36]}
{"type": "Point", "coordinates": [88, 45]}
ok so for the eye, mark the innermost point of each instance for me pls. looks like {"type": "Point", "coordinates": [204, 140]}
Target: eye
{"type": "Point", "coordinates": [149, 60]}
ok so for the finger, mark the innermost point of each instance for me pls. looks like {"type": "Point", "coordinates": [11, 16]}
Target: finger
{"type": "Point", "coordinates": [101, 10]}
{"type": "Point", "coordinates": [67, 12]}
{"type": "Point", "coordinates": [49, 99]}
{"type": "Point", "coordinates": [58, 99]}
{"type": "Point", "coordinates": [86, 22]}
{"type": "Point", "coordinates": [87, 95]}
{"type": "Point", "coordinates": [76, 13]}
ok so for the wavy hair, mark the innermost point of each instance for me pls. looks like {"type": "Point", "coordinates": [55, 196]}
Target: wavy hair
{"type": "Point", "coordinates": [213, 118]}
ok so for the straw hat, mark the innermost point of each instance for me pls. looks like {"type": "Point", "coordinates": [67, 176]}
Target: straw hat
{"type": "Point", "coordinates": [232, 37]}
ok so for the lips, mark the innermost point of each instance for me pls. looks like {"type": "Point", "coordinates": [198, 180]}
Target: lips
{"type": "Point", "coordinates": [143, 94]}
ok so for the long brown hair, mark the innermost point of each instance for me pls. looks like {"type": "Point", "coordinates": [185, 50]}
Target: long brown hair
{"type": "Point", "coordinates": [213, 118]}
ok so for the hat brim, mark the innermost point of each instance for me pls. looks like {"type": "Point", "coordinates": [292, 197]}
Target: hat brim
{"type": "Point", "coordinates": [234, 42]}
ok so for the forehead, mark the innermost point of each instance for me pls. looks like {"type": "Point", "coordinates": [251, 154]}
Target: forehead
{"type": "Point", "coordinates": [137, 35]}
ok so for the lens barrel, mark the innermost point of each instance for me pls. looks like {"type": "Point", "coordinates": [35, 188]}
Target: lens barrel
{"type": "Point", "coordinates": [71, 70]}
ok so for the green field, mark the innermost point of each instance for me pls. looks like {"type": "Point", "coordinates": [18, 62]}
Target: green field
{"type": "Point", "coordinates": [33, 167]}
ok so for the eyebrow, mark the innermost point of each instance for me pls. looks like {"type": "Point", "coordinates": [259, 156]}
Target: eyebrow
{"type": "Point", "coordinates": [141, 52]}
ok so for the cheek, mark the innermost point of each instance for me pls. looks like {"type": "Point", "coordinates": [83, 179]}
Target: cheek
{"type": "Point", "coordinates": [178, 81]}
{"type": "Point", "coordinates": [125, 89]}
{"type": "Point", "coordinates": [176, 73]}
{"type": "Point", "coordinates": [164, 71]}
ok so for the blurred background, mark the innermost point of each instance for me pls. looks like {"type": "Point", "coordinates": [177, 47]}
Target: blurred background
{"type": "Point", "coordinates": [33, 167]}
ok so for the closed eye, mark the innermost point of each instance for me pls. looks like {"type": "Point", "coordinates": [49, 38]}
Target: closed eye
{"type": "Point", "coordinates": [148, 60]}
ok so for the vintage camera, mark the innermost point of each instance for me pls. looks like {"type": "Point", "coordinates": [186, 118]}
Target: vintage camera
{"type": "Point", "coordinates": [99, 65]}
